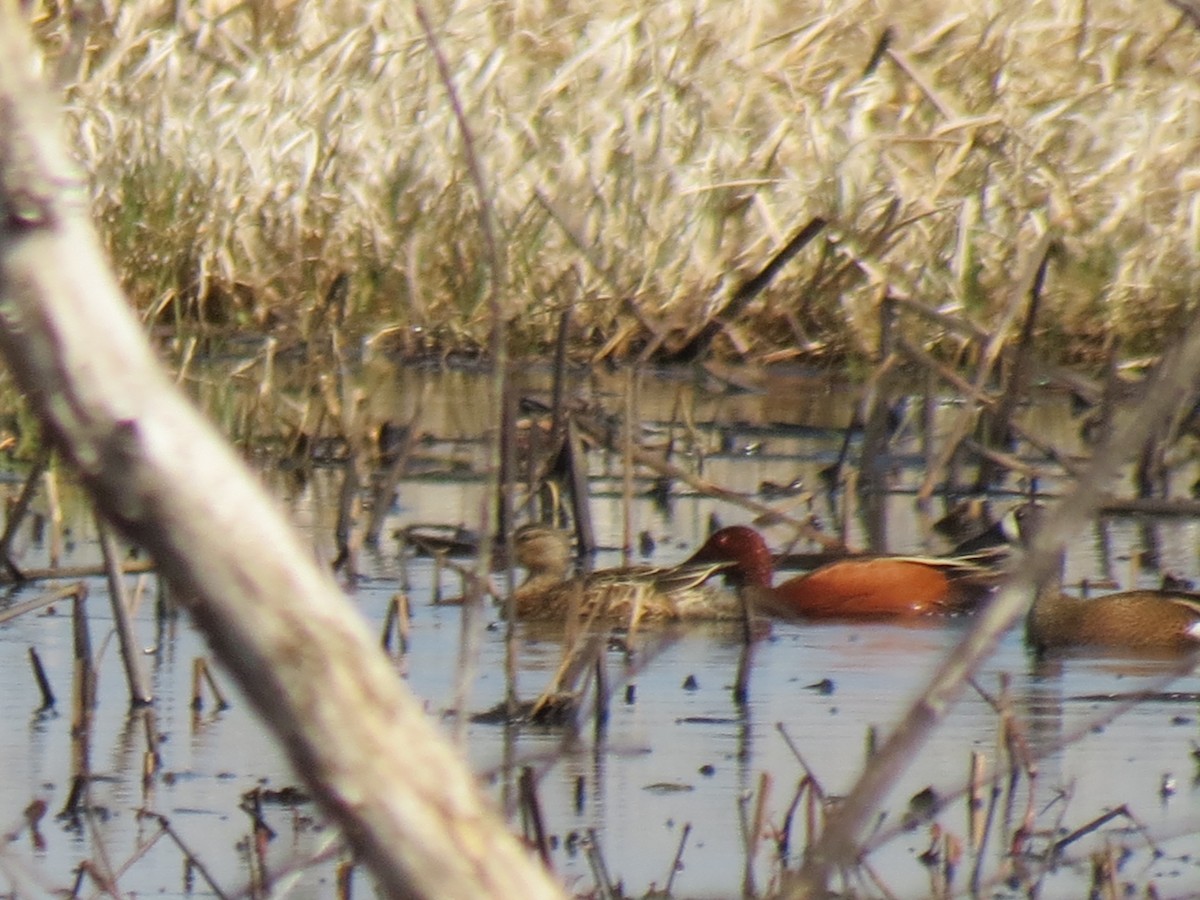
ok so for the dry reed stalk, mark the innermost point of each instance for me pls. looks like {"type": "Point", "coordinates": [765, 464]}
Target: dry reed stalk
{"type": "Point", "coordinates": [135, 676]}
{"type": "Point", "coordinates": [19, 509]}
{"type": "Point", "coordinates": [531, 814]}
{"type": "Point", "coordinates": [509, 473]}
{"type": "Point", "coordinates": [628, 423]}
{"type": "Point", "coordinates": [876, 406]}
{"type": "Point", "coordinates": [990, 355]}
{"type": "Point", "coordinates": [677, 861]}
{"type": "Point", "coordinates": [970, 392]}
{"type": "Point", "coordinates": [192, 860]}
{"type": "Point", "coordinates": [43, 681]}
{"type": "Point", "coordinates": [44, 600]}
{"type": "Point", "coordinates": [50, 485]}
{"type": "Point", "coordinates": [201, 675]}
{"type": "Point", "coordinates": [397, 621]}
{"type": "Point", "coordinates": [965, 117]}
{"type": "Point", "coordinates": [595, 858]}
{"type": "Point", "coordinates": [129, 567]}
{"type": "Point", "coordinates": [345, 880]}
{"type": "Point", "coordinates": [498, 350]}
{"type": "Point", "coordinates": [997, 423]}
{"type": "Point", "coordinates": [603, 693]}
{"type": "Point", "coordinates": [574, 460]}
{"type": "Point", "coordinates": [384, 494]}
{"type": "Point", "coordinates": [975, 803]}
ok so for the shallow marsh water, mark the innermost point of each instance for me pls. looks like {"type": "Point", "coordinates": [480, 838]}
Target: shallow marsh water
{"type": "Point", "coordinates": [677, 752]}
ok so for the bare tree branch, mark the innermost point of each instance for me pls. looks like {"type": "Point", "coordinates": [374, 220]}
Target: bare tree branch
{"type": "Point", "coordinates": [161, 474]}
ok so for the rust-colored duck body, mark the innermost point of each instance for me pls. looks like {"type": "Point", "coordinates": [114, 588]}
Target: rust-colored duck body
{"type": "Point", "coordinates": [1138, 620]}
{"type": "Point", "coordinates": [629, 595]}
{"type": "Point", "coordinates": [881, 587]}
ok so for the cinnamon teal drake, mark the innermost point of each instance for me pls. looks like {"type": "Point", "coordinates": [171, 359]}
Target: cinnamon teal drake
{"type": "Point", "coordinates": [879, 587]}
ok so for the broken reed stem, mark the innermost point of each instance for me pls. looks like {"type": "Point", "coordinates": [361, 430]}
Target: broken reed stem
{"type": "Point", "coordinates": [498, 351]}
{"type": "Point", "coordinates": [627, 385]}
{"type": "Point", "coordinates": [754, 834]}
{"type": "Point", "coordinates": [970, 392]}
{"type": "Point", "coordinates": [877, 401]}
{"type": "Point", "coordinates": [56, 516]}
{"type": "Point", "coordinates": [505, 533]}
{"type": "Point", "coordinates": [698, 345]}
{"type": "Point", "coordinates": [531, 809]}
{"type": "Point", "coordinates": [139, 690]}
{"type": "Point", "coordinates": [558, 390]}
{"type": "Point", "coordinates": [85, 672]}
{"type": "Point", "coordinates": [345, 880]}
{"type": "Point", "coordinates": [985, 833]}
{"type": "Point", "coordinates": [43, 681]}
{"type": "Point", "coordinates": [17, 514]}
{"type": "Point", "coordinates": [201, 675]}
{"type": "Point", "coordinates": [595, 857]}
{"type": "Point", "coordinates": [975, 802]}
{"type": "Point", "coordinates": [677, 862]}
{"type": "Point", "coordinates": [600, 713]}
{"type": "Point", "coordinates": [190, 857]}
{"type": "Point", "coordinates": [385, 492]}
{"type": "Point", "coordinates": [574, 458]}
{"type": "Point", "coordinates": [47, 599]}
{"type": "Point", "coordinates": [129, 567]}
{"type": "Point", "coordinates": [397, 622]}
{"type": "Point", "coordinates": [349, 509]}
{"type": "Point", "coordinates": [989, 354]}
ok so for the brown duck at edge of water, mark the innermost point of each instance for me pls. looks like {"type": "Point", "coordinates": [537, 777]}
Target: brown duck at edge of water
{"type": "Point", "coordinates": [1167, 619]}
{"type": "Point", "coordinates": [628, 595]}
{"type": "Point", "coordinates": [1128, 620]}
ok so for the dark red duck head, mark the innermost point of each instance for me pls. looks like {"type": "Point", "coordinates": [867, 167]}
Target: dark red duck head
{"type": "Point", "coordinates": [743, 547]}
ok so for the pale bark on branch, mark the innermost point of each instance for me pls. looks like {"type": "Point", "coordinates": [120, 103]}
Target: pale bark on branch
{"type": "Point", "coordinates": [157, 470]}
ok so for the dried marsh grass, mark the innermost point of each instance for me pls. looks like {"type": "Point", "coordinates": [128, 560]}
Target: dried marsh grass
{"type": "Point", "coordinates": [642, 159]}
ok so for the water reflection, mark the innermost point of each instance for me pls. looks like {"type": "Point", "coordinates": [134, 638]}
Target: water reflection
{"type": "Point", "coordinates": [678, 752]}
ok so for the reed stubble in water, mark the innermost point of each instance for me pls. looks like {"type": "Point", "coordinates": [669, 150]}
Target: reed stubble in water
{"type": "Point", "coordinates": [160, 473]}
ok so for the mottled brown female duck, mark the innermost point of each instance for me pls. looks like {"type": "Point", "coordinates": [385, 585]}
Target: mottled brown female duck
{"type": "Point", "coordinates": [629, 595]}
{"type": "Point", "coordinates": [1141, 620]}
